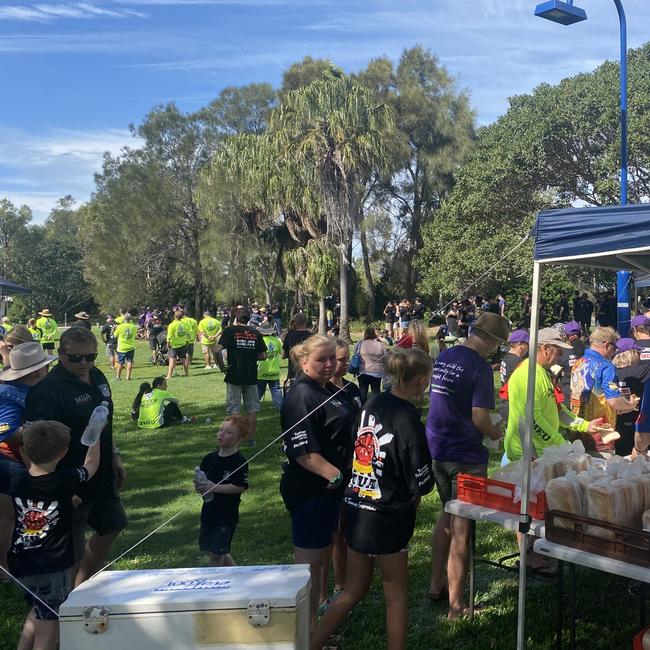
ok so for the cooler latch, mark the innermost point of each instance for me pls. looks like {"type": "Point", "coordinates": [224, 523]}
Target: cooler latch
{"type": "Point", "coordinates": [259, 613]}
{"type": "Point", "coordinates": [95, 619]}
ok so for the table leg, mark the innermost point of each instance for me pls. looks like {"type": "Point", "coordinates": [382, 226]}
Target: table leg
{"type": "Point", "coordinates": [572, 606]}
{"type": "Point", "coordinates": [472, 569]}
{"type": "Point", "coordinates": [559, 607]}
{"type": "Point", "coordinates": [642, 595]}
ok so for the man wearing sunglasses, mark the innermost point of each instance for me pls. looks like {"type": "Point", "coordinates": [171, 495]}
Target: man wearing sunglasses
{"type": "Point", "coordinates": [69, 394]}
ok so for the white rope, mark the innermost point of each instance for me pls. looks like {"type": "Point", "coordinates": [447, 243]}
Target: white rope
{"type": "Point", "coordinates": [463, 292]}
{"type": "Point", "coordinates": [165, 523]}
{"type": "Point", "coordinates": [29, 591]}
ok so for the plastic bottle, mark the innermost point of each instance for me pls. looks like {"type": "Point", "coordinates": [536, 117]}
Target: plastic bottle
{"type": "Point", "coordinates": [199, 476]}
{"type": "Point", "coordinates": [96, 424]}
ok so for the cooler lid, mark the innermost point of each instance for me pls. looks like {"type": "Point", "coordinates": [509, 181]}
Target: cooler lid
{"type": "Point", "coordinates": [197, 589]}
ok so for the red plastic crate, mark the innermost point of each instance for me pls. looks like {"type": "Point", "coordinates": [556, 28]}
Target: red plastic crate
{"type": "Point", "coordinates": [483, 492]}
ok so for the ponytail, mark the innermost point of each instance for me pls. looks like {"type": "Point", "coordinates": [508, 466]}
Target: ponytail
{"type": "Point", "coordinates": [145, 387]}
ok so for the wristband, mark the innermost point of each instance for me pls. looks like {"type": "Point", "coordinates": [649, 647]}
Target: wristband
{"type": "Point", "coordinates": [334, 482]}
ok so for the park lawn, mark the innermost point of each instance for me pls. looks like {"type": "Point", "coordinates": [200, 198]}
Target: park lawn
{"type": "Point", "coordinates": [160, 466]}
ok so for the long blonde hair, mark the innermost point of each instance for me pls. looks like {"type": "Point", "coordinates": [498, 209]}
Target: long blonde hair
{"type": "Point", "coordinates": [418, 333]}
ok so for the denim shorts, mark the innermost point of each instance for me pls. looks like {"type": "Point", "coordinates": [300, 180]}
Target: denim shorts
{"type": "Point", "coordinates": [314, 522]}
{"type": "Point", "coordinates": [235, 395]}
{"type": "Point", "coordinates": [9, 469]}
{"type": "Point", "coordinates": [52, 588]}
{"type": "Point", "coordinates": [124, 357]}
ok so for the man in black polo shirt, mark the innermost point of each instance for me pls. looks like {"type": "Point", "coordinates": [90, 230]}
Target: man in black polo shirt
{"type": "Point", "coordinates": [245, 347]}
{"type": "Point", "coordinates": [69, 394]}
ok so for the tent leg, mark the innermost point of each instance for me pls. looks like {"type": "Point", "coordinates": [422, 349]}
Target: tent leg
{"type": "Point", "coordinates": [524, 518]}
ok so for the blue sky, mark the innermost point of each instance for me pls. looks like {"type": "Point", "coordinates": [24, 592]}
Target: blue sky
{"type": "Point", "coordinates": [76, 73]}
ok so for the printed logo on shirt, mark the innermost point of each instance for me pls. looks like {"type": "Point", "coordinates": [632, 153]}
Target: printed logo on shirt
{"type": "Point", "coordinates": [105, 389]}
{"type": "Point", "coordinates": [35, 520]}
{"type": "Point", "coordinates": [299, 439]}
{"type": "Point", "coordinates": [82, 399]}
{"type": "Point", "coordinates": [645, 355]}
{"type": "Point", "coordinates": [368, 461]}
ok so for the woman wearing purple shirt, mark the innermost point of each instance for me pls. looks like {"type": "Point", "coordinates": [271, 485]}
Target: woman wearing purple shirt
{"type": "Point", "coordinates": [462, 394]}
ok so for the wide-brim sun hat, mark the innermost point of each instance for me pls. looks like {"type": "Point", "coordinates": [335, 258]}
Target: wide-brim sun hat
{"type": "Point", "coordinates": [45, 312]}
{"type": "Point", "coordinates": [494, 326]}
{"type": "Point", "coordinates": [266, 331]}
{"type": "Point", "coordinates": [25, 359]}
{"type": "Point", "coordinates": [550, 336]}
{"type": "Point", "coordinates": [82, 315]}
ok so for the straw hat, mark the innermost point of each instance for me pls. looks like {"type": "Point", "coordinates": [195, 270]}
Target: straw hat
{"type": "Point", "coordinates": [46, 312]}
{"type": "Point", "coordinates": [25, 359]}
{"type": "Point", "coordinates": [493, 325]}
{"type": "Point", "coordinates": [82, 315]}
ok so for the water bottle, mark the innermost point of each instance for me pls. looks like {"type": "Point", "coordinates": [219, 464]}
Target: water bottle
{"type": "Point", "coordinates": [199, 476]}
{"type": "Point", "coordinates": [96, 424]}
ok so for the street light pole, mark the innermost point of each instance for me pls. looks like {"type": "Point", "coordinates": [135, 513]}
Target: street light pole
{"type": "Point", "coordinates": [565, 13]}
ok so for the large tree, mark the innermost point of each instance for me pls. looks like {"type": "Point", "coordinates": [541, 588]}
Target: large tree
{"type": "Point", "coordinates": [332, 131]}
{"type": "Point", "coordinates": [434, 132]}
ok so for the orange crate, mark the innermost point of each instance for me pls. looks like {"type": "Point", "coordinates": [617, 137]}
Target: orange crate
{"type": "Point", "coordinates": [496, 494]}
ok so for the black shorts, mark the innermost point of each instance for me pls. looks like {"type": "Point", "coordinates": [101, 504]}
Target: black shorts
{"type": "Point", "coordinates": [104, 515]}
{"type": "Point", "coordinates": [178, 353]}
{"type": "Point", "coordinates": [216, 536]}
{"type": "Point", "coordinates": [48, 345]}
{"type": "Point", "coordinates": [314, 522]}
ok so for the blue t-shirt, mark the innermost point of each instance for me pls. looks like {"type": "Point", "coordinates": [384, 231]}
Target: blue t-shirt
{"type": "Point", "coordinates": [12, 407]}
{"type": "Point", "coordinates": [461, 380]}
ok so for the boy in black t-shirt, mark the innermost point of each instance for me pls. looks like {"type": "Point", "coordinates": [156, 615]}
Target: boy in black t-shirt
{"type": "Point", "coordinates": [41, 555]}
{"type": "Point", "coordinates": [227, 478]}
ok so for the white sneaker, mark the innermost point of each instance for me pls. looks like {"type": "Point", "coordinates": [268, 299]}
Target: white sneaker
{"type": "Point", "coordinates": [185, 419]}
{"type": "Point", "coordinates": [208, 367]}
{"type": "Point", "coordinates": [213, 366]}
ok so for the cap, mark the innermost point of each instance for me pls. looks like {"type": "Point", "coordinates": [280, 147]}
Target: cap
{"type": "Point", "coordinates": [625, 344]}
{"type": "Point", "coordinates": [519, 336]}
{"type": "Point", "coordinates": [640, 321]}
{"type": "Point", "coordinates": [549, 336]}
{"type": "Point", "coordinates": [572, 327]}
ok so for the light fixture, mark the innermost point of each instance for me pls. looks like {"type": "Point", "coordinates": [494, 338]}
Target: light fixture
{"type": "Point", "coordinates": [560, 12]}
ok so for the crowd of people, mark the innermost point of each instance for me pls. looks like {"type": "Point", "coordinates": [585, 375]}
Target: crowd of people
{"type": "Point", "coordinates": [358, 460]}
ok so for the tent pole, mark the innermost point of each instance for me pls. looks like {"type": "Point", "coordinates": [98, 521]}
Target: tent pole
{"type": "Point", "coordinates": [524, 518]}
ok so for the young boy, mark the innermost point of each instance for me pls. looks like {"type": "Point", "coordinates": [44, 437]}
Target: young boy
{"type": "Point", "coordinates": [219, 516]}
{"type": "Point", "coordinates": [41, 555]}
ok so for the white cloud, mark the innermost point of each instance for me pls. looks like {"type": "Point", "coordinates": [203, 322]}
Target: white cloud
{"type": "Point", "coordinates": [45, 12]}
{"type": "Point", "coordinates": [38, 170]}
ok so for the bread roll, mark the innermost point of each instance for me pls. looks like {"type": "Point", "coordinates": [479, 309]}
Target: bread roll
{"type": "Point", "coordinates": [567, 495]}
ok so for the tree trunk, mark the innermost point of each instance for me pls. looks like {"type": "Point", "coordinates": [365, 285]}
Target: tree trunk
{"type": "Point", "coordinates": [344, 282]}
{"type": "Point", "coordinates": [370, 283]}
{"type": "Point", "coordinates": [322, 320]}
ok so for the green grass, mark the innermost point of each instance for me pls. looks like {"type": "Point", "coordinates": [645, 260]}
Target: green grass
{"type": "Point", "coordinates": [160, 466]}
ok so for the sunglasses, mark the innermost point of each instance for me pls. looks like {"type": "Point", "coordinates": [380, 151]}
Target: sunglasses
{"type": "Point", "coordinates": [77, 358]}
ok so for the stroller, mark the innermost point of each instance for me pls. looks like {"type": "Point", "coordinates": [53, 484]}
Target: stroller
{"type": "Point", "coordinates": [160, 353]}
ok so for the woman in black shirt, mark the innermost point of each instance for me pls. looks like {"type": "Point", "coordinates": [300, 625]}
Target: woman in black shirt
{"type": "Point", "coordinates": [318, 446]}
{"type": "Point", "coordinates": [391, 472]}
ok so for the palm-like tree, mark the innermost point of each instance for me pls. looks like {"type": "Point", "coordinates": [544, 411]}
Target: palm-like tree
{"type": "Point", "coordinates": [330, 134]}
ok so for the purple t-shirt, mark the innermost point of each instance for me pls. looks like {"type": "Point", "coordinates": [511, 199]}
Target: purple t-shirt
{"type": "Point", "coordinates": [461, 380]}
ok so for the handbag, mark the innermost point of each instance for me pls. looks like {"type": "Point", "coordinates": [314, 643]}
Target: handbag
{"type": "Point", "coordinates": [354, 367]}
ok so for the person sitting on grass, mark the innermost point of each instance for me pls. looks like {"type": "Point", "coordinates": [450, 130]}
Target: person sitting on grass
{"type": "Point", "coordinates": [154, 408]}
{"type": "Point", "coordinates": [42, 499]}
{"type": "Point", "coordinates": [226, 478]}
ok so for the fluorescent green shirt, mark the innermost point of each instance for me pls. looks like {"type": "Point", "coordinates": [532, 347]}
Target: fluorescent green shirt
{"type": "Point", "coordinates": [8, 327]}
{"type": "Point", "coordinates": [209, 329]}
{"type": "Point", "coordinates": [48, 327]}
{"type": "Point", "coordinates": [269, 368]}
{"type": "Point", "coordinates": [125, 334]}
{"type": "Point", "coordinates": [119, 319]}
{"type": "Point", "coordinates": [177, 334]}
{"type": "Point", "coordinates": [36, 333]}
{"type": "Point", "coordinates": [190, 327]}
{"type": "Point", "coordinates": [549, 415]}
{"type": "Point", "coordinates": [150, 415]}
